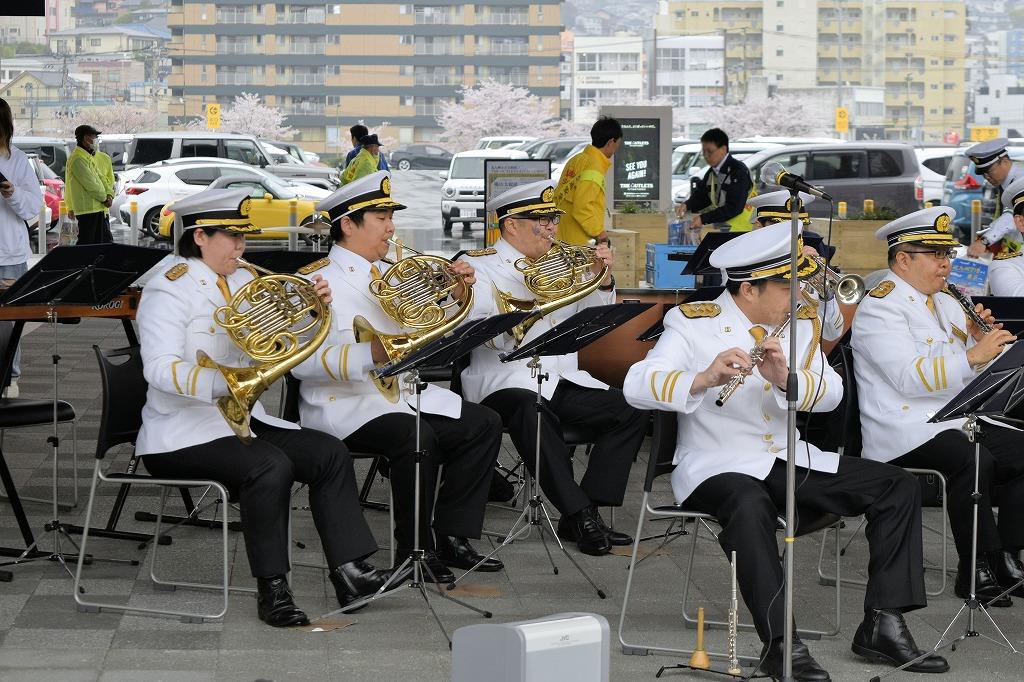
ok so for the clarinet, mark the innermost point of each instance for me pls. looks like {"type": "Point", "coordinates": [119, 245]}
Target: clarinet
{"type": "Point", "coordinates": [965, 302]}
{"type": "Point", "coordinates": [756, 355]}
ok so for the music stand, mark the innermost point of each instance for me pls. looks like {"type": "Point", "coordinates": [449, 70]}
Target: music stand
{"type": "Point", "coordinates": [569, 336]}
{"type": "Point", "coordinates": [447, 348]}
{"type": "Point", "coordinates": [282, 261]}
{"type": "Point", "coordinates": [91, 274]}
{"type": "Point", "coordinates": [995, 394]}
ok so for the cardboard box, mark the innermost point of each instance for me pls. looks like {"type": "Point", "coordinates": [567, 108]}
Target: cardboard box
{"type": "Point", "coordinates": [625, 279]}
{"type": "Point", "coordinates": [857, 250]}
{"type": "Point", "coordinates": [649, 227]}
{"type": "Point", "coordinates": [663, 273]}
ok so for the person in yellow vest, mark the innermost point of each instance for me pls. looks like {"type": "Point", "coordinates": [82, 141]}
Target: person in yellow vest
{"type": "Point", "coordinates": [720, 197]}
{"type": "Point", "coordinates": [365, 162]}
{"type": "Point", "coordinates": [85, 190]}
{"type": "Point", "coordinates": [580, 191]}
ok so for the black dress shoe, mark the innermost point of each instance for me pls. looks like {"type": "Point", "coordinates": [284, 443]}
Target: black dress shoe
{"type": "Point", "coordinates": [441, 573]}
{"type": "Point", "coordinates": [883, 637]}
{"type": "Point", "coordinates": [986, 586]}
{"type": "Point", "coordinates": [275, 604]}
{"type": "Point", "coordinates": [501, 489]}
{"type": "Point", "coordinates": [584, 528]}
{"type": "Point", "coordinates": [358, 579]}
{"type": "Point", "coordinates": [1009, 571]}
{"type": "Point", "coordinates": [805, 668]}
{"type": "Point", "coordinates": [457, 552]}
{"type": "Point", "coordinates": [615, 537]}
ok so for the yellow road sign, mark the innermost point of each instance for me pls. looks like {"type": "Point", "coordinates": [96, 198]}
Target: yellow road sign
{"type": "Point", "coordinates": [983, 133]}
{"type": "Point", "coordinates": [213, 116]}
{"type": "Point", "coordinates": [842, 120]}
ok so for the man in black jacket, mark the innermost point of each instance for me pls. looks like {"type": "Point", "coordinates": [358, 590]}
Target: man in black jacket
{"type": "Point", "coordinates": [720, 197]}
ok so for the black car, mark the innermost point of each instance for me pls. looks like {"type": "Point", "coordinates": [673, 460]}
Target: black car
{"type": "Point", "coordinates": [420, 156]}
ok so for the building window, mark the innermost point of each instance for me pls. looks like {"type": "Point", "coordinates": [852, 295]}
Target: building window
{"type": "Point", "coordinates": [95, 42]}
{"type": "Point", "coordinates": [778, 52]}
{"type": "Point", "coordinates": [675, 93]}
{"type": "Point", "coordinates": [671, 59]}
{"type": "Point", "coordinates": [779, 28]}
{"type": "Point", "coordinates": [334, 100]}
{"type": "Point", "coordinates": [948, 111]}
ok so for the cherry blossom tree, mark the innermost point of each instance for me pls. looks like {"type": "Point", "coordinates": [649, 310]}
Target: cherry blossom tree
{"type": "Point", "coordinates": [249, 115]}
{"type": "Point", "coordinates": [118, 118]}
{"type": "Point", "coordinates": [778, 116]}
{"type": "Point", "coordinates": [493, 108]}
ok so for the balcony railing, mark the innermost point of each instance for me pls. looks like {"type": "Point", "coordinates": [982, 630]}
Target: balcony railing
{"type": "Point", "coordinates": [439, 49]}
{"type": "Point", "coordinates": [428, 109]}
{"type": "Point", "coordinates": [435, 18]}
{"type": "Point", "coordinates": [517, 79]}
{"type": "Point", "coordinates": [228, 17]}
{"type": "Point", "coordinates": [309, 109]}
{"type": "Point", "coordinates": [307, 17]}
{"type": "Point", "coordinates": [505, 49]}
{"type": "Point", "coordinates": [301, 48]}
{"type": "Point", "coordinates": [307, 79]}
{"type": "Point", "coordinates": [504, 19]}
{"type": "Point", "coordinates": [239, 79]}
{"type": "Point", "coordinates": [236, 48]}
{"type": "Point", "coordinates": [437, 79]}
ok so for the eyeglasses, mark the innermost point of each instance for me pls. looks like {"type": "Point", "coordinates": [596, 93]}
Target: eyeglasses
{"type": "Point", "coordinates": [939, 254]}
{"type": "Point", "coordinates": [546, 221]}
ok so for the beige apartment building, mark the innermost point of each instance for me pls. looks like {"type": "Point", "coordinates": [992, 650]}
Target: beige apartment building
{"type": "Point", "coordinates": [327, 66]}
{"type": "Point", "coordinates": [914, 49]}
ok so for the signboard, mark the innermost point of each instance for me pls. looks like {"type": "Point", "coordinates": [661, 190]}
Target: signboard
{"type": "Point", "coordinates": [213, 116]}
{"type": "Point", "coordinates": [842, 120]}
{"type": "Point", "coordinates": [636, 164]}
{"type": "Point", "coordinates": [983, 133]}
{"type": "Point", "coordinates": [969, 275]}
{"type": "Point", "coordinates": [501, 175]}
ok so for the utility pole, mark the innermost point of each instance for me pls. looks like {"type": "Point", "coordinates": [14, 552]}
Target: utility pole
{"type": "Point", "coordinates": [725, 67]}
{"type": "Point", "coordinates": [839, 75]}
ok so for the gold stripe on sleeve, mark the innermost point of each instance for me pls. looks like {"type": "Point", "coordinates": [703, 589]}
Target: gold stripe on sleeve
{"type": "Point", "coordinates": [344, 361]}
{"type": "Point", "coordinates": [672, 387]}
{"type": "Point", "coordinates": [323, 361]}
{"type": "Point", "coordinates": [920, 374]}
{"type": "Point", "coordinates": [654, 392]}
{"type": "Point", "coordinates": [942, 367]}
{"type": "Point", "coordinates": [195, 379]}
{"type": "Point", "coordinates": [188, 379]}
{"type": "Point", "coordinates": [822, 392]}
{"type": "Point", "coordinates": [174, 376]}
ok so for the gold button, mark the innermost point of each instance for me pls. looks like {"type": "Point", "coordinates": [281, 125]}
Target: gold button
{"type": "Point", "coordinates": [773, 449]}
{"type": "Point", "coordinates": [767, 387]}
{"type": "Point", "coordinates": [929, 340]}
{"type": "Point", "coordinates": [906, 407]}
{"type": "Point", "coordinates": [212, 330]}
{"type": "Point", "coordinates": [769, 437]}
{"type": "Point", "coordinates": [331, 398]}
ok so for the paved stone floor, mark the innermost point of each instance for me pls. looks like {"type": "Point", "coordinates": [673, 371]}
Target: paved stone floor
{"type": "Point", "coordinates": [43, 637]}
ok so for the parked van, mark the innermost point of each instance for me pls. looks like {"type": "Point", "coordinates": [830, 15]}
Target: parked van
{"type": "Point", "coordinates": [850, 172]}
{"type": "Point", "coordinates": [933, 162]}
{"type": "Point", "coordinates": [53, 151]}
{"type": "Point", "coordinates": [462, 194]}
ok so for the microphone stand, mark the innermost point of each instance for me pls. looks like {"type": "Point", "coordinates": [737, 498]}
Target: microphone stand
{"type": "Point", "coordinates": [791, 396]}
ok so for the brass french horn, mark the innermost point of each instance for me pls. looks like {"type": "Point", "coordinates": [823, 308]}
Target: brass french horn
{"type": "Point", "coordinates": [563, 275]}
{"type": "Point", "coordinates": [415, 293]}
{"type": "Point", "coordinates": [268, 318]}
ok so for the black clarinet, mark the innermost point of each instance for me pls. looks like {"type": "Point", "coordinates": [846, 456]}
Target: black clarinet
{"type": "Point", "coordinates": [965, 302]}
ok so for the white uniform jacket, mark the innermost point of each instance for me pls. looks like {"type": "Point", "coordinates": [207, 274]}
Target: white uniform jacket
{"type": "Point", "coordinates": [337, 394]}
{"type": "Point", "coordinates": [175, 320]}
{"type": "Point", "coordinates": [747, 434]}
{"type": "Point", "coordinates": [486, 373]}
{"type": "Point", "coordinates": [1006, 276]}
{"type": "Point", "coordinates": [908, 364]}
{"type": "Point", "coordinates": [831, 316]}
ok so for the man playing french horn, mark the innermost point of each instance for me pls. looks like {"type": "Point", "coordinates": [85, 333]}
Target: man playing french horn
{"type": "Point", "coordinates": [730, 459]}
{"type": "Point", "coordinates": [183, 434]}
{"type": "Point", "coordinates": [528, 219]}
{"type": "Point", "coordinates": [338, 394]}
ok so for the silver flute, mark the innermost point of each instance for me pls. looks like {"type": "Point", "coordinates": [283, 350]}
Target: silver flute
{"type": "Point", "coordinates": [968, 305]}
{"type": "Point", "coordinates": [756, 355]}
{"type": "Point", "coordinates": [734, 607]}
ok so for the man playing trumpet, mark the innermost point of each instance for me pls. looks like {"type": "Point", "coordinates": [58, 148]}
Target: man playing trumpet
{"type": "Point", "coordinates": [528, 220]}
{"type": "Point", "coordinates": [731, 459]}
{"type": "Point", "coordinates": [339, 396]}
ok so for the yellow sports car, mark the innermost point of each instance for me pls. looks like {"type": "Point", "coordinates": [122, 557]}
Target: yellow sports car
{"type": "Point", "coordinates": [270, 204]}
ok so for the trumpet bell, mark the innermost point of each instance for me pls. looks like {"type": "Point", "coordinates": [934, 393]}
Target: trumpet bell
{"type": "Point", "coordinates": [850, 289]}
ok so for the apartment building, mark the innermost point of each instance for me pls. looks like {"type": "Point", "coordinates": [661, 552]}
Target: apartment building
{"type": "Point", "coordinates": [689, 71]}
{"type": "Point", "coordinates": [914, 49]}
{"type": "Point", "coordinates": [606, 70]}
{"type": "Point", "coordinates": [327, 66]}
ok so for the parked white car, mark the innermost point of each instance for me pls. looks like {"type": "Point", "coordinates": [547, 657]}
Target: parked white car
{"type": "Point", "coordinates": [167, 181]}
{"type": "Point", "coordinates": [499, 142]}
{"type": "Point", "coordinates": [462, 194]}
{"type": "Point", "coordinates": [934, 162]}
{"type": "Point", "coordinates": [688, 162]}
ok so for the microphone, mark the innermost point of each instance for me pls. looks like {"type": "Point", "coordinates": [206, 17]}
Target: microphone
{"type": "Point", "coordinates": [775, 173]}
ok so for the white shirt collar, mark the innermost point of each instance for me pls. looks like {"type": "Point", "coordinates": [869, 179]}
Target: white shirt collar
{"type": "Point", "coordinates": [718, 168]}
{"type": "Point", "coordinates": [507, 251]}
{"type": "Point", "coordinates": [351, 261]}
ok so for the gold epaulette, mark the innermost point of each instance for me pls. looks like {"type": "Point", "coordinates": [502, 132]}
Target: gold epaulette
{"type": "Point", "coordinates": [883, 289]}
{"type": "Point", "coordinates": [480, 252]}
{"type": "Point", "coordinates": [807, 312]}
{"type": "Point", "coordinates": [694, 310]}
{"type": "Point", "coordinates": [176, 271]}
{"type": "Point", "coordinates": [314, 266]}
{"type": "Point", "coordinates": [1005, 255]}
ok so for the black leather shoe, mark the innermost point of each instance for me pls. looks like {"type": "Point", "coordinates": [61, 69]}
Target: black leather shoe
{"type": "Point", "coordinates": [615, 537]}
{"type": "Point", "coordinates": [584, 528]}
{"type": "Point", "coordinates": [805, 668]}
{"type": "Point", "coordinates": [883, 637]}
{"type": "Point", "coordinates": [275, 604]}
{"type": "Point", "coordinates": [501, 489]}
{"type": "Point", "coordinates": [457, 552]}
{"type": "Point", "coordinates": [358, 579]}
{"type": "Point", "coordinates": [1009, 571]}
{"type": "Point", "coordinates": [442, 574]}
{"type": "Point", "coordinates": [986, 586]}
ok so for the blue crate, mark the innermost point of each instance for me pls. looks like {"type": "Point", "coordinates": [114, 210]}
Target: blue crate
{"type": "Point", "coordinates": [662, 273]}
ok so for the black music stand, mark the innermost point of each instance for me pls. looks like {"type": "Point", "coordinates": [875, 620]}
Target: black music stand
{"type": "Point", "coordinates": [282, 261]}
{"type": "Point", "coordinates": [91, 274]}
{"type": "Point", "coordinates": [997, 393]}
{"type": "Point", "coordinates": [569, 336]}
{"type": "Point", "coordinates": [441, 351]}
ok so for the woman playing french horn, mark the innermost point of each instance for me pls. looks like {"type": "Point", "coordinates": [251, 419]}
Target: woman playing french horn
{"type": "Point", "coordinates": [184, 435]}
{"type": "Point", "coordinates": [339, 395]}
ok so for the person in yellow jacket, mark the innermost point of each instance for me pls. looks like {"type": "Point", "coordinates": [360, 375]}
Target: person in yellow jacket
{"type": "Point", "coordinates": [580, 190]}
{"type": "Point", "coordinates": [365, 162]}
{"type": "Point", "coordinates": [85, 190]}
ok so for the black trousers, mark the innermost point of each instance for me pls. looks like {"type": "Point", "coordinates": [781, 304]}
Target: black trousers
{"type": "Point", "coordinates": [261, 474]}
{"type": "Point", "coordinates": [1000, 467]}
{"type": "Point", "coordinates": [467, 447]}
{"type": "Point", "coordinates": [748, 510]}
{"type": "Point", "coordinates": [94, 228]}
{"type": "Point", "coordinates": [618, 430]}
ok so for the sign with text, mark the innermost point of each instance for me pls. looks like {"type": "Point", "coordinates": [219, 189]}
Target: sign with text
{"type": "Point", "coordinates": [970, 275]}
{"type": "Point", "coordinates": [213, 116]}
{"type": "Point", "coordinates": [984, 133]}
{"type": "Point", "coordinates": [501, 175]}
{"type": "Point", "coordinates": [842, 120]}
{"type": "Point", "coordinates": [636, 163]}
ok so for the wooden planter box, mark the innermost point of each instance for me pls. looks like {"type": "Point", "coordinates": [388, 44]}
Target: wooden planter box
{"type": "Point", "coordinates": [650, 228]}
{"type": "Point", "coordinates": [857, 250]}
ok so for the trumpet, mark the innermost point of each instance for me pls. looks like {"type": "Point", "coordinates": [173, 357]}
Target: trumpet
{"type": "Point", "coordinates": [848, 289]}
{"type": "Point", "coordinates": [968, 305]}
{"type": "Point", "coordinates": [756, 355]}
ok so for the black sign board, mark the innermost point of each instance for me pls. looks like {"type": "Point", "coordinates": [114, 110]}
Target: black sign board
{"type": "Point", "coordinates": [636, 163]}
